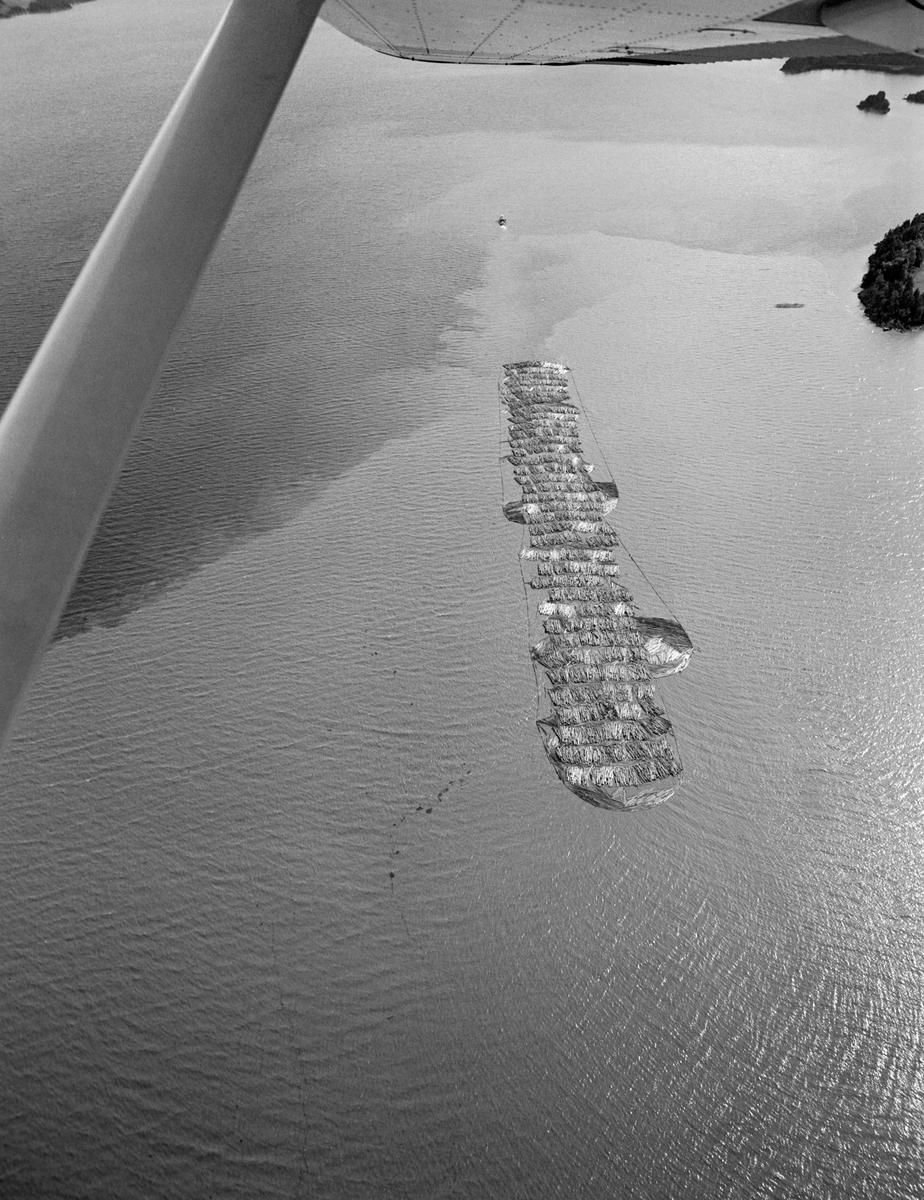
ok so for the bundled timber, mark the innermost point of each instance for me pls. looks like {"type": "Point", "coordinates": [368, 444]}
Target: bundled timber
{"type": "Point", "coordinates": [607, 737]}
{"type": "Point", "coordinates": [666, 643]}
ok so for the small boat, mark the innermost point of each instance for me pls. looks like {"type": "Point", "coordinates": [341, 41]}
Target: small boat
{"type": "Point", "coordinates": [502, 221]}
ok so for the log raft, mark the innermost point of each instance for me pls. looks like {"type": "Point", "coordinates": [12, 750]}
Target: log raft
{"type": "Point", "coordinates": [604, 730]}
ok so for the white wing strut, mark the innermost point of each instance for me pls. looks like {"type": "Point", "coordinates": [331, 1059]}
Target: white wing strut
{"type": "Point", "coordinates": [66, 431]}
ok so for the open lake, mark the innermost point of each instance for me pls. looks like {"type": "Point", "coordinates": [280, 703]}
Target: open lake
{"type": "Point", "coordinates": [291, 902]}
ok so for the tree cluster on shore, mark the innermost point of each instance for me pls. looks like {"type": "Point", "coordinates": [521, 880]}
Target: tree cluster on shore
{"type": "Point", "coordinates": [887, 291]}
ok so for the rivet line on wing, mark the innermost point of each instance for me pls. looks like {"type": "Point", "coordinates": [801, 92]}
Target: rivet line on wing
{"type": "Point", "coordinates": [488, 36]}
{"type": "Point", "coordinates": [420, 26]}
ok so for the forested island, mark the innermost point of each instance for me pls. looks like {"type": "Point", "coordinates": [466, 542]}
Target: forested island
{"type": "Point", "coordinates": [20, 8]}
{"type": "Point", "coordinates": [887, 292]}
{"type": "Point", "coordinates": [888, 61]}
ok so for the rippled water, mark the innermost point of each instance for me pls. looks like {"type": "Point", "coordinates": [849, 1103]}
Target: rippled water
{"type": "Point", "coordinates": [292, 903]}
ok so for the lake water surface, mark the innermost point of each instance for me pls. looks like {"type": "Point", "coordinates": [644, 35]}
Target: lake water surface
{"type": "Point", "coordinates": [292, 903]}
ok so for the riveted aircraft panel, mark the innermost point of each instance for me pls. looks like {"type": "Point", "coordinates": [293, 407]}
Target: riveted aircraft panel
{"type": "Point", "coordinates": [561, 31]}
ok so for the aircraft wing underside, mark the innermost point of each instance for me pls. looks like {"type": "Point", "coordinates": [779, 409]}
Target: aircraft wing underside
{"type": "Point", "coordinates": [575, 31]}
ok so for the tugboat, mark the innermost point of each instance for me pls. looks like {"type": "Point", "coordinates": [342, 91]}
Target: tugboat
{"type": "Point", "coordinates": [502, 221]}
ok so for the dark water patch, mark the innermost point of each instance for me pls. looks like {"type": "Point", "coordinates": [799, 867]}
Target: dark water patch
{"type": "Point", "coordinates": [321, 290]}
{"type": "Point", "coordinates": [212, 470]}
{"type": "Point", "coordinates": [280, 384]}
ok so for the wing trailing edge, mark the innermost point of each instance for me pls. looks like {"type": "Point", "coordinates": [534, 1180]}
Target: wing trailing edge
{"type": "Point", "coordinates": [563, 32]}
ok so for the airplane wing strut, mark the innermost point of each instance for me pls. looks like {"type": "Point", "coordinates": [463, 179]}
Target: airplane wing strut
{"type": "Point", "coordinates": [65, 433]}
